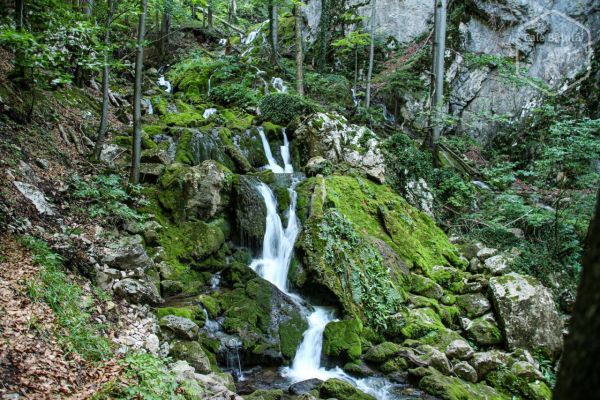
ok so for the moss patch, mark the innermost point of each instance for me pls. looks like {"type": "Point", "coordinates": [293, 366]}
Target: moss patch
{"type": "Point", "coordinates": [341, 340]}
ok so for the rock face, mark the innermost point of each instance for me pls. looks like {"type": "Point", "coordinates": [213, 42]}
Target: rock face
{"type": "Point", "coordinates": [250, 210]}
{"type": "Point", "coordinates": [36, 197]}
{"type": "Point", "coordinates": [137, 291]}
{"type": "Point", "coordinates": [128, 253]}
{"type": "Point", "coordinates": [331, 137]}
{"type": "Point", "coordinates": [201, 191]}
{"type": "Point", "coordinates": [527, 312]}
{"type": "Point", "coordinates": [181, 327]}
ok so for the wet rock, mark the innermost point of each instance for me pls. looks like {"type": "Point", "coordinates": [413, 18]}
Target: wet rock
{"type": "Point", "coordinates": [425, 287]}
{"type": "Point", "coordinates": [526, 370]}
{"type": "Point", "coordinates": [358, 368]}
{"type": "Point", "coordinates": [341, 339]}
{"type": "Point", "coordinates": [306, 386]}
{"type": "Point", "coordinates": [425, 355]}
{"type": "Point", "coordinates": [250, 210]}
{"type": "Point", "coordinates": [336, 388]}
{"type": "Point", "coordinates": [35, 196]}
{"type": "Point", "coordinates": [183, 328]}
{"type": "Point", "coordinates": [137, 291]}
{"type": "Point", "coordinates": [331, 137]}
{"type": "Point", "coordinates": [171, 288]}
{"type": "Point", "coordinates": [527, 314]}
{"type": "Point", "coordinates": [193, 353]}
{"type": "Point", "coordinates": [459, 349]}
{"type": "Point", "coordinates": [473, 304]}
{"type": "Point", "coordinates": [465, 371]}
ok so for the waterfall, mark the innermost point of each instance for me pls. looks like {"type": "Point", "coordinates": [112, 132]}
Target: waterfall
{"type": "Point", "coordinates": [354, 98]}
{"type": "Point", "coordinates": [162, 82]}
{"type": "Point", "coordinates": [278, 247]}
{"type": "Point", "coordinates": [273, 166]}
{"type": "Point", "coordinates": [208, 112]}
{"type": "Point", "coordinates": [252, 35]}
{"type": "Point", "coordinates": [279, 85]}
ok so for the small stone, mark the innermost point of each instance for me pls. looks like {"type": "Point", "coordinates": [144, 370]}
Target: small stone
{"type": "Point", "coordinates": [152, 344]}
{"type": "Point", "coordinates": [42, 163]}
{"type": "Point", "coordinates": [486, 253]}
{"type": "Point", "coordinates": [497, 265]}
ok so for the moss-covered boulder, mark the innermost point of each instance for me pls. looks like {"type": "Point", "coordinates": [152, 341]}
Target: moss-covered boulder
{"type": "Point", "coordinates": [250, 211]}
{"type": "Point", "coordinates": [341, 339]}
{"type": "Point", "coordinates": [336, 388]}
{"type": "Point", "coordinates": [202, 191]}
{"type": "Point", "coordinates": [484, 330]}
{"type": "Point", "coordinates": [269, 323]}
{"type": "Point", "coordinates": [191, 313]}
{"type": "Point", "coordinates": [262, 394]}
{"type": "Point", "coordinates": [506, 381]}
{"type": "Point", "coordinates": [192, 352]}
{"type": "Point", "coordinates": [452, 388]}
{"type": "Point", "coordinates": [382, 352]}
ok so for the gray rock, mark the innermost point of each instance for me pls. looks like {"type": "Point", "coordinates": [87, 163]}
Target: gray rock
{"type": "Point", "coordinates": [151, 230]}
{"type": "Point", "coordinates": [473, 304]}
{"type": "Point", "coordinates": [465, 371]}
{"type": "Point", "coordinates": [171, 288]}
{"type": "Point", "coordinates": [128, 253]}
{"type": "Point", "coordinates": [137, 291]}
{"type": "Point", "coordinates": [459, 349]}
{"type": "Point", "coordinates": [318, 166]}
{"type": "Point", "coordinates": [527, 313]}
{"type": "Point", "coordinates": [35, 196]}
{"type": "Point", "coordinates": [331, 137]}
{"type": "Point", "coordinates": [488, 361]}
{"type": "Point", "coordinates": [152, 344]}
{"type": "Point", "coordinates": [526, 370]}
{"type": "Point", "coordinates": [250, 211]}
{"type": "Point", "coordinates": [149, 172]}
{"type": "Point", "coordinates": [497, 265]}
{"type": "Point", "coordinates": [486, 253]}
{"type": "Point", "coordinates": [302, 387]}
{"type": "Point", "coordinates": [182, 327]}
{"type": "Point", "coordinates": [425, 287]}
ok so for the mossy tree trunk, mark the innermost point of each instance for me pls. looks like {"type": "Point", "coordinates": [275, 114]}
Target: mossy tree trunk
{"type": "Point", "coordinates": [134, 177]}
{"type": "Point", "coordinates": [579, 370]}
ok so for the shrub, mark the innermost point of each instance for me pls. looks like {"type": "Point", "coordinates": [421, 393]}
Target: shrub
{"type": "Point", "coordinates": [235, 93]}
{"type": "Point", "coordinates": [282, 108]}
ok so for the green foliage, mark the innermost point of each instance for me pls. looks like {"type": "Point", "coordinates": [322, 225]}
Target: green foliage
{"type": "Point", "coordinates": [235, 93]}
{"type": "Point", "coordinates": [282, 108]}
{"type": "Point", "coordinates": [328, 89]}
{"type": "Point", "coordinates": [145, 377]}
{"type": "Point", "coordinates": [68, 302]}
{"type": "Point", "coordinates": [405, 162]}
{"type": "Point", "coordinates": [105, 197]}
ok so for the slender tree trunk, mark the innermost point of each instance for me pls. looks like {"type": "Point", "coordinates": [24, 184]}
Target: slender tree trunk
{"type": "Point", "coordinates": [299, 51]}
{"type": "Point", "coordinates": [355, 67]}
{"type": "Point", "coordinates": [324, 33]}
{"type": "Point", "coordinates": [437, 81]}
{"type": "Point", "coordinates": [88, 7]}
{"type": "Point", "coordinates": [165, 29]}
{"type": "Point", "coordinates": [105, 84]}
{"type": "Point", "coordinates": [232, 11]}
{"type": "Point", "coordinates": [19, 71]}
{"type": "Point", "coordinates": [274, 31]}
{"type": "Point", "coordinates": [209, 15]}
{"type": "Point", "coordinates": [136, 150]}
{"type": "Point", "coordinates": [371, 55]}
{"type": "Point", "coordinates": [579, 369]}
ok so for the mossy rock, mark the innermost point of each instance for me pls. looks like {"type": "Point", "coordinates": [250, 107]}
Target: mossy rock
{"type": "Point", "coordinates": [484, 331]}
{"type": "Point", "coordinates": [336, 388]}
{"type": "Point", "coordinates": [396, 364]}
{"type": "Point", "coordinates": [263, 394]}
{"type": "Point", "coordinates": [341, 339]}
{"type": "Point", "coordinates": [452, 388]}
{"type": "Point", "coordinates": [210, 304]}
{"type": "Point", "coordinates": [511, 384]}
{"type": "Point", "coordinates": [419, 322]}
{"type": "Point", "coordinates": [192, 352]}
{"type": "Point", "coordinates": [382, 352]}
{"type": "Point", "coordinates": [126, 142]}
{"type": "Point", "coordinates": [191, 313]}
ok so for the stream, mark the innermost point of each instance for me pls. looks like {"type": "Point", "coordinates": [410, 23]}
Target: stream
{"type": "Point", "coordinates": [273, 266]}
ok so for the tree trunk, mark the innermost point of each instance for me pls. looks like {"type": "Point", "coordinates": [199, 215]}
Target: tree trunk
{"type": "Point", "coordinates": [579, 370]}
{"type": "Point", "coordinates": [105, 85]}
{"type": "Point", "coordinates": [232, 11]}
{"type": "Point", "coordinates": [274, 32]}
{"type": "Point", "coordinates": [210, 16]}
{"type": "Point", "coordinates": [165, 28]}
{"type": "Point", "coordinates": [437, 81]}
{"type": "Point", "coordinates": [371, 55]}
{"type": "Point", "coordinates": [136, 148]}
{"type": "Point", "coordinates": [299, 51]}
{"type": "Point", "coordinates": [323, 36]}
{"type": "Point", "coordinates": [88, 7]}
{"type": "Point", "coordinates": [19, 15]}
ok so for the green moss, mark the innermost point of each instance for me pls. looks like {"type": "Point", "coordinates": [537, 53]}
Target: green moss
{"type": "Point", "coordinates": [418, 322]}
{"type": "Point", "coordinates": [382, 352]}
{"type": "Point", "coordinates": [504, 380]}
{"type": "Point", "coordinates": [192, 118]}
{"type": "Point", "coordinates": [263, 394]}
{"type": "Point", "coordinates": [341, 339]}
{"type": "Point", "coordinates": [336, 388]}
{"type": "Point", "coordinates": [452, 388]}
{"type": "Point", "coordinates": [126, 141]}
{"type": "Point", "coordinates": [191, 313]}
{"type": "Point", "coordinates": [210, 304]}
{"type": "Point", "coordinates": [394, 365]}
{"type": "Point", "coordinates": [290, 335]}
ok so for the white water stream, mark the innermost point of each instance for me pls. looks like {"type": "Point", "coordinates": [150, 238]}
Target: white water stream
{"type": "Point", "coordinates": [278, 247]}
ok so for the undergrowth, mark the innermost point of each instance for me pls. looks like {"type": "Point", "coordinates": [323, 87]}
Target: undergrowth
{"type": "Point", "coordinates": [67, 300]}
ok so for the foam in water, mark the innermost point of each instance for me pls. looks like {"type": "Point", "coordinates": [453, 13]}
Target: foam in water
{"type": "Point", "coordinates": [208, 112]}
{"type": "Point", "coordinates": [279, 85]}
{"type": "Point", "coordinates": [273, 166]}
{"type": "Point", "coordinates": [148, 105]}
{"type": "Point", "coordinates": [354, 98]}
{"type": "Point", "coordinates": [252, 35]}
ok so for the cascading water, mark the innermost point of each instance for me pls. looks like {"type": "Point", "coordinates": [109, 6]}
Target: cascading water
{"type": "Point", "coordinates": [162, 82]}
{"type": "Point", "coordinates": [278, 246]}
{"type": "Point", "coordinates": [278, 84]}
{"type": "Point", "coordinates": [208, 112]}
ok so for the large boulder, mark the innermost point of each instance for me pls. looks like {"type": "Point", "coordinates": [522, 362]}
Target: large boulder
{"type": "Point", "coordinates": [331, 137]}
{"type": "Point", "coordinates": [193, 353]}
{"type": "Point", "coordinates": [137, 291]}
{"type": "Point", "coordinates": [339, 389]}
{"type": "Point", "coordinates": [341, 339]}
{"type": "Point", "coordinates": [202, 191]}
{"type": "Point", "coordinates": [181, 327]}
{"type": "Point", "coordinates": [250, 211]}
{"type": "Point", "coordinates": [527, 314]}
{"type": "Point", "coordinates": [128, 253]}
